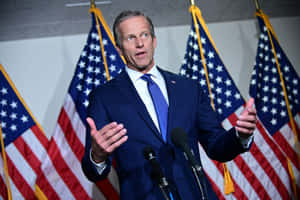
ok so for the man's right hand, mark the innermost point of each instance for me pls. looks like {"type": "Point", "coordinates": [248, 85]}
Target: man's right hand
{"type": "Point", "coordinates": [106, 140]}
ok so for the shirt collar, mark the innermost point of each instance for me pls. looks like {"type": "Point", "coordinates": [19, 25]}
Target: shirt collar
{"type": "Point", "coordinates": [136, 75]}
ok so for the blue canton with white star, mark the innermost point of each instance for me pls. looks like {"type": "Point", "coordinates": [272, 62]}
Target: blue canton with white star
{"type": "Point", "coordinates": [225, 94]}
{"type": "Point", "coordinates": [266, 87]}
{"type": "Point", "coordinates": [14, 117]}
{"type": "Point", "coordinates": [90, 71]}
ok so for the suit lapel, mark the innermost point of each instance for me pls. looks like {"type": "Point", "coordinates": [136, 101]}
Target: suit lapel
{"type": "Point", "coordinates": [129, 93]}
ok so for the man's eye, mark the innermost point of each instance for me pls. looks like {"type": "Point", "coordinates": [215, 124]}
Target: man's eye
{"type": "Point", "coordinates": [145, 34]}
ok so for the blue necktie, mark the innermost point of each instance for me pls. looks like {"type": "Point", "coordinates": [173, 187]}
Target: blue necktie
{"type": "Point", "coordinates": [160, 104]}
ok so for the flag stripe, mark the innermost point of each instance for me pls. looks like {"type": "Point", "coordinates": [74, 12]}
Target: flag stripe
{"type": "Point", "coordinates": [286, 147]}
{"type": "Point", "coordinates": [255, 172]}
{"type": "Point", "coordinates": [251, 177]}
{"type": "Point", "coordinates": [250, 173]}
{"type": "Point", "coordinates": [232, 118]}
{"type": "Point", "coordinates": [77, 124]}
{"type": "Point", "coordinates": [212, 172]}
{"type": "Point", "coordinates": [107, 189]}
{"type": "Point", "coordinates": [72, 160]}
{"type": "Point", "coordinates": [16, 194]}
{"type": "Point", "coordinates": [241, 184]}
{"type": "Point", "coordinates": [286, 139]}
{"type": "Point", "coordinates": [215, 173]}
{"type": "Point", "coordinates": [70, 138]}
{"type": "Point", "coordinates": [19, 179]}
{"type": "Point", "coordinates": [269, 141]}
{"type": "Point", "coordinates": [22, 166]}
{"type": "Point", "coordinates": [44, 183]}
{"type": "Point", "coordinates": [40, 136]}
{"type": "Point", "coordinates": [270, 166]}
{"type": "Point", "coordinates": [113, 179]}
{"type": "Point", "coordinates": [26, 151]}
{"type": "Point", "coordinates": [3, 189]}
{"type": "Point", "coordinates": [64, 171]}
{"type": "Point", "coordinates": [216, 188]}
{"type": "Point", "coordinates": [53, 181]}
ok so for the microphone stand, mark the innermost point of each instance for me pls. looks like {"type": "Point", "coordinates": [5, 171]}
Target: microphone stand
{"type": "Point", "coordinates": [197, 172]}
{"type": "Point", "coordinates": [164, 189]}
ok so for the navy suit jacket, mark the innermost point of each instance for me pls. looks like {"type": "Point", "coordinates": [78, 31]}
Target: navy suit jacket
{"type": "Point", "coordinates": [189, 109]}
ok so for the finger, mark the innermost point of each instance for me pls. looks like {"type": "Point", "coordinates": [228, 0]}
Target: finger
{"type": "Point", "coordinates": [250, 103]}
{"type": "Point", "coordinates": [117, 143]}
{"type": "Point", "coordinates": [245, 124]}
{"type": "Point", "coordinates": [111, 131]}
{"type": "Point", "coordinates": [247, 118]}
{"type": "Point", "coordinates": [244, 131]}
{"type": "Point", "coordinates": [249, 106]}
{"type": "Point", "coordinates": [104, 138]}
{"type": "Point", "coordinates": [113, 139]}
{"type": "Point", "coordinates": [251, 111]}
{"type": "Point", "coordinates": [91, 123]}
{"type": "Point", "coordinates": [113, 142]}
{"type": "Point", "coordinates": [108, 127]}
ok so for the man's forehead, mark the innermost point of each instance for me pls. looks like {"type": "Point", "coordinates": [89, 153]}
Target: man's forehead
{"type": "Point", "coordinates": [134, 23]}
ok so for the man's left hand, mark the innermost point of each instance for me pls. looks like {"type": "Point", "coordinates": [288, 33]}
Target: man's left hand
{"type": "Point", "coordinates": [246, 122]}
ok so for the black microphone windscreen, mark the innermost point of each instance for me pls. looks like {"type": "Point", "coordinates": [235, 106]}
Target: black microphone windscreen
{"type": "Point", "coordinates": [179, 137]}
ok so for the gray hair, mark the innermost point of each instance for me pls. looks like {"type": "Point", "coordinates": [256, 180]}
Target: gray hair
{"type": "Point", "coordinates": [125, 15]}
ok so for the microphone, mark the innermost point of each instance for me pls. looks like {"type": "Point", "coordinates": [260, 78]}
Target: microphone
{"type": "Point", "coordinates": [180, 140]}
{"type": "Point", "coordinates": [157, 173]}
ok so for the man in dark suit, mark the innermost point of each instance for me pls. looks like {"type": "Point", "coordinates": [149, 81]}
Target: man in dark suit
{"type": "Point", "coordinates": [123, 120]}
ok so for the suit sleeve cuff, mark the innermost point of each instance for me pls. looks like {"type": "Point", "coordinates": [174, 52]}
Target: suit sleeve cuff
{"type": "Point", "coordinates": [100, 167]}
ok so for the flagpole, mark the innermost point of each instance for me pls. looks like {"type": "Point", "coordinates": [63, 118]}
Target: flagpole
{"type": "Point", "coordinates": [192, 2]}
{"type": "Point", "coordinates": [93, 5]}
{"type": "Point", "coordinates": [257, 5]}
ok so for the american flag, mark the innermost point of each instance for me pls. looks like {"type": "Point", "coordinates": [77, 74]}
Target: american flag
{"type": "Point", "coordinates": [260, 173]}
{"type": "Point", "coordinates": [25, 143]}
{"type": "Point", "coordinates": [63, 177]}
{"type": "Point", "coordinates": [267, 88]}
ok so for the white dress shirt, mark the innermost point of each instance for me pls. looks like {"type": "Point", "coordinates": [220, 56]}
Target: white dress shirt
{"type": "Point", "coordinates": [142, 89]}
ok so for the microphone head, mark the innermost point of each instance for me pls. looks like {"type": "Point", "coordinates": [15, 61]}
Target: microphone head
{"type": "Point", "coordinates": [179, 137]}
{"type": "Point", "coordinates": [148, 153]}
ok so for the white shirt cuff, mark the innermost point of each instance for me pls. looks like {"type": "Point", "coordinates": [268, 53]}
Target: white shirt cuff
{"type": "Point", "coordinates": [244, 141]}
{"type": "Point", "coordinates": [100, 167]}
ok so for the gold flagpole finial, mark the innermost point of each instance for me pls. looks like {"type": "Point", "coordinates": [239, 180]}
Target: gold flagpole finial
{"type": "Point", "coordinates": [93, 5]}
{"type": "Point", "coordinates": [257, 5]}
{"type": "Point", "coordinates": [192, 2]}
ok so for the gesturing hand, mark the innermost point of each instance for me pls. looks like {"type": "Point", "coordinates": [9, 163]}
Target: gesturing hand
{"type": "Point", "coordinates": [106, 140]}
{"type": "Point", "coordinates": [246, 122]}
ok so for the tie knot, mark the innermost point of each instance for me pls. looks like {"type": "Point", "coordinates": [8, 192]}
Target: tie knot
{"type": "Point", "coordinates": [147, 78]}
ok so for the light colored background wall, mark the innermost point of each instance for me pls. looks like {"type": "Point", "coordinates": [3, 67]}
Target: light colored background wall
{"type": "Point", "coordinates": [42, 68]}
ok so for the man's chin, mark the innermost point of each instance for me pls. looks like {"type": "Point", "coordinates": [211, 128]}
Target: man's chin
{"type": "Point", "coordinates": [140, 68]}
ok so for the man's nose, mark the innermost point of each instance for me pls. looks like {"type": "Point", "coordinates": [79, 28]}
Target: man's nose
{"type": "Point", "coordinates": [139, 42]}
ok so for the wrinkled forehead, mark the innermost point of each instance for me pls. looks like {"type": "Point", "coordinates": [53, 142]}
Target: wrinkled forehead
{"type": "Point", "coordinates": [134, 25]}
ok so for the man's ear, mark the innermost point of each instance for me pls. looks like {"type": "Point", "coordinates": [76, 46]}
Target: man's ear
{"type": "Point", "coordinates": [154, 41]}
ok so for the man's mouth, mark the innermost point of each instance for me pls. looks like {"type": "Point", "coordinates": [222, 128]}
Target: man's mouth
{"type": "Point", "coordinates": [140, 54]}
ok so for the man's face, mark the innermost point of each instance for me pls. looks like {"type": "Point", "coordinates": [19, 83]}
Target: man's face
{"type": "Point", "coordinates": [137, 43]}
